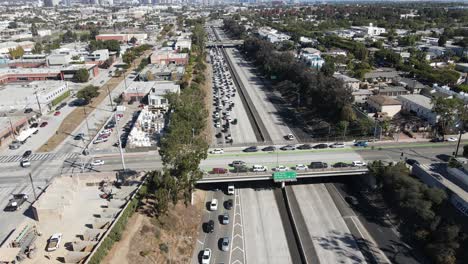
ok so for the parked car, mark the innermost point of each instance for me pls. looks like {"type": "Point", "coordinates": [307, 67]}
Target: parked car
{"type": "Point", "coordinates": [97, 162]}
{"type": "Point", "coordinates": [318, 165]}
{"type": "Point", "coordinates": [238, 163]}
{"type": "Point", "coordinates": [219, 171]}
{"type": "Point", "coordinates": [209, 226]}
{"type": "Point", "coordinates": [206, 257]}
{"type": "Point", "coordinates": [217, 151]}
{"type": "Point", "coordinates": [269, 148]}
{"type": "Point", "coordinates": [43, 124]}
{"type": "Point", "coordinates": [351, 200]}
{"type": "Point", "coordinates": [14, 145]}
{"type": "Point", "coordinates": [79, 136]}
{"type": "Point", "coordinates": [452, 139]}
{"type": "Point", "coordinates": [225, 244]}
{"type": "Point", "coordinates": [411, 162]}
{"type": "Point", "coordinates": [259, 168]}
{"type": "Point", "coordinates": [301, 167]}
{"type": "Point", "coordinates": [321, 146]}
{"type": "Point", "coordinates": [25, 163]}
{"type": "Point", "coordinates": [281, 168]}
{"type": "Point", "coordinates": [358, 163]}
{"type": "Point", "coordinates": [251, 149]}
{"type": "Point", "coordinates": [214, 205]}
{"type": "Point", "coordinates": [435, 140]}
{"type": "Point", "coordinates": [228, 204]}
{"type": "Point", "coordinates": [54, 242]}
{"type": "Point", "coordinates": [337, 145]}
{"type": "Point", "coordinates": [34, 125]}
{"type": "Point", "coordinates": [340, 165]}
{"type": "Point", "coordinates": [16, 202]}
{"type": "Point", "coordinates": [305, 146]}
{"type": "Point", "coordinates": [57, 113]}
{"type": "Point", "coordinates": [28, 110]}
{"type": "Point", "coordinates": [230, 189]}
{"type": "Point", "coordinates": [225, 219]}
{"type": "Point", "coordinates": [289, 147]}
{"type": "Point", "coordinates": [26, 154]}
{"type": "Point", "coordinates": [289, 137]}
{"type": "Point", "coordinates": [361, 144]}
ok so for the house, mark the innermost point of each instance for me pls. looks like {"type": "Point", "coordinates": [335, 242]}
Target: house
{"type": "Point", "coordinates": [361, 95]}
{"type": "Point", "coordinates": [419, 105]}
{"type": "Point", "coordinates": [157, 95]}
{"type": "Point", "coordinates": [411, 85]}
{"type": "Point", "coordinates": [162, 72]}
{"type": "Point", "coordinates": [385, 75]}
{"type": "Point", "coordinates": [392, 91]}
{"type": "Point", "coordinates": [169, 57]}
{"type": "Point", "coordinates": [311, 57]}
{"type": "Point", "coordinates": [384, 104]}
{"type": "Point", "coordinates": [349, 82]}
{"type": "Point", "coordinates": [182, 44]}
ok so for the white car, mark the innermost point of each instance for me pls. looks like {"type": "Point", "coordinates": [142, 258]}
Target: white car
{"type": "Point", "coordinates": [359, 163]}
{"type": "Point", "coordinates": [54, 242]}
{"type": "Point", "coordinates": [290, 137]}
{"type": "Point", "coordinates": [217, 151]}
{"type": "Point", "coordinates": [259, 168]}
{"type": "Point", "coordinates": [214, 205]}
{"type": "Point", "coordinates": [281, 168]}
{"type": "Point", "coordinates": [206, 258]}
{"type": "Point", "coordinates": [452, 139]}
{"type": "Point", "coordinates": [217, 124]}
{"type": "Point", "coordinates": [230, 189]}
{"type": "Point", "coordinates": [301, 167]}
{"type": "Point", "coordinates": [97, 162]}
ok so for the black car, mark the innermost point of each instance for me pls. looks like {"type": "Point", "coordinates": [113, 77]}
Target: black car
{"type": "Point", "coordinates": [27, 153]}
{"type": "Point", "coordinates": [241, 168]}
{"type": "Point", "coordinates": [28, 110]}
{"type": "Point", "coordinates": [341, 165]}
{"type": "Point", "coordinates": [305, 146]}
{"type": "Point", "coordinates": [16, 202]}
{"type": "Point", "coordinates": [79, 136]}
{"type": "Point", "coordinates": [251, 149]}
{"type": "Point", "coordinates": [412, 162]}
{"type": "Point", "coordinates": [434, 140]}
{"type": "Point", "coordinates": [351, 200]}
{"type": "Point", "coordinates": [209, 226]}
{"type": "Point", "coordinates": [269, 148]}
{"type": "Point", "coordinates": [34, 125]}
{"type": "Point", "coordinates": [321, 146]}
{"type": "Point", "coordinates": [318, 165]}
{"type": "Point", "coordinates": [228, 204]}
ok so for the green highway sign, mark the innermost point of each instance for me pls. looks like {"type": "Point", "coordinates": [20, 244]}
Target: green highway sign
{"type": "Point", "coordinates": [282, 176]}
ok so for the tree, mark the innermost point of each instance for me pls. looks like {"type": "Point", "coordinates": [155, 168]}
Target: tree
{"type": "Point", "coordinates": [442, 40]}
{"type": "Point", "coordinates": [88, 93]}
{"type": "Point", "coordinates": [133, 40]}
{"type": "Point", "coordinates": [81, 75]}
{"type": "Point", "coordinates": [34, 30]}
{"type": "Point", "coordinates": [328, 68]}
{"type": "Point", "coordinates": [37, 48]}
{"type": "Point", "coordinates": [69, 36]}
{"type": "Point", "coordinates": [13, 24]}
{"type": "Point", "coordinates": [445, 108]}
{"type": "Point", "coordinates": [93, 33]}
{"type": "Point", "coordinates": [16, 53]}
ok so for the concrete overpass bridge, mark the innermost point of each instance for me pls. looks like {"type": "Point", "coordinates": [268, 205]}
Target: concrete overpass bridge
{"type": "Point", "coordinates": [269, 176]}
{"type": "Point", "coordinates": [224, 43]}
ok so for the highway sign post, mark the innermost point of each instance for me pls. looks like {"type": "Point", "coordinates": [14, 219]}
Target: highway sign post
{"type": "Point", "coordinates": [284, 176]}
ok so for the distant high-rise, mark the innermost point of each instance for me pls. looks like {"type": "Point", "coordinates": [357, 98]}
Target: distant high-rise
{"type": "Point", "coordinates": [67, 2]}
{"type": "Point", "coordinates": [51, 3]}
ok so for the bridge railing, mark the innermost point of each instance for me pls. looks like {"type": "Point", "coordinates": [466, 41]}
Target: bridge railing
{"type": "Point", "coordinates": [233, 172]}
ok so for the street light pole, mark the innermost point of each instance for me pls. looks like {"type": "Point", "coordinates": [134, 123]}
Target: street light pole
{"type": "Point", "coordinates": [32, 184]}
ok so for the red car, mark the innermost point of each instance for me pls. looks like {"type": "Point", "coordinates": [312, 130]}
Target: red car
{"type": "Point", "coordinates": [219, 171]}
{"type": "Point", "coordinates": [43, 124]}
{"type": "Point", "coordinates": [57, 113]}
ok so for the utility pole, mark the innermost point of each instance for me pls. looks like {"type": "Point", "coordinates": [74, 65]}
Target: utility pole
{"type": "Point", "coordinates": [38, 104]}
{"type": "Point", "coordinates": [32, 184]}
{"type": "Point", "coordinates": [122, 159]}
{"type": "Point", "coordinates": [12, 130]}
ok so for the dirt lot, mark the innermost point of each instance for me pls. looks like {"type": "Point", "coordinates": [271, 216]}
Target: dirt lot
{"type": "Point", "coordinates": [149, 240]}
{"type": "Point", "coordinates": [74, 119]}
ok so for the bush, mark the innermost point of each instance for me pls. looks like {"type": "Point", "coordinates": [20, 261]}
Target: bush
{"type": "Point", "coordinates": [163, 247]}
{"type": "Point", "coordinates": [59, 99]}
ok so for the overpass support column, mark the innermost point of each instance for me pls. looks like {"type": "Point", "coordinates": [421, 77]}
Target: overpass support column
{"type": "Point", "coordinates": [283, 185]}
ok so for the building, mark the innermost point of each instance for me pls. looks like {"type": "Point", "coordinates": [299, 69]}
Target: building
{"type": "Point", "coordinates": [59, 59]}
{"type": "Point", "coordinates": [384, 104]}
{"type": "Point", "coordinates": [162, 72]}
{"type": "Point", "coordinates": [411, 85]}
{"type": "Point", "coordinates": [419, 105]}
{"type": "Point", "coordinates": [156, 97]}
{"type": "Point", "coordinates": [68, 72]}
{"type": "Point", "coordinates": [183, 44]}
{"type": "Point", "coordinates": [349, 82]}
{"type": "Point", "coordinates": [122, 37]}
{"type": "Point", "coordinates": [99, 55]}
{"type": "Point", "coordinates": [6, 46]}
{"type": "Point", "coordinates": [385, 75]}
{"type": "Point", "coordinates": [169, 57]}
{"type": "Point", "coordinates": [312, 58]}
{"type": "Point", "coordinates": [374, 31]}
{"type": "Point", "coordinates": [10, 125]}
{"type": "Point", "coordinates": [38, 95]}
{"type": "Point", "coordinates": [29, 74]}
{"type": "Point", "coordinates": [51, 3]}
{"type": "Point", "coordinates": [272, 35]}
{"type": "Point", "coordinates": [136, 91]}
{"type": "Point", "coordinates": [392, 91]}
{"type": "Point", "coordinates": [361, 95]}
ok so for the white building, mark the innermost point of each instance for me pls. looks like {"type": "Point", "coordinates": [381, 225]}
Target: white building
{"type": "Point", "coordinates": [312, 58]}
{"type": "Point", "coordinates": [374, 31]}
{"type": "Point", "coordinates": [59, 59]}
{"type": "Point", "coordinates": [419, 105]}
{"type": "Point", "coordinates": [156, 97]}
{"type": "Point", "coordinates": [99, 55]}
{"type": "Point", "coordinates": [183, 44]}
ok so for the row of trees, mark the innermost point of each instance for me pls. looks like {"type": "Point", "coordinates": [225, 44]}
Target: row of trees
{"type": "Point", "coordinates": [234, 28]}
{"type": "Point", "coordinates": [183, 145]}
{"type": "Point", "coordinates": [111, 45]}
{"type": "Point", "coordinates": [419, 208]}
{"type": "Point", "coordinates": [87, 93]}
{"type": "Point", "coordinates": [132, 53]}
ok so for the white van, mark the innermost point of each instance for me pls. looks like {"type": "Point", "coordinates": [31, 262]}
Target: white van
{"type": "Point", "coordinates": [258, 168]}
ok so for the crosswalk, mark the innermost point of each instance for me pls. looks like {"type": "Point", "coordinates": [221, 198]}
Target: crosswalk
{"type": "Point", "coordinates": [39, 156]}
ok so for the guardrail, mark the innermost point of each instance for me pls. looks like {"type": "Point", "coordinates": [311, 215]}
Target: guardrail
{"type": "Point", "coordinates": [259, 176]}
{"type": "Point", "coordinates": [297, 236]}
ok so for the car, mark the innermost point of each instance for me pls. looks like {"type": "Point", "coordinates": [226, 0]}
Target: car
{"type": "Point", "coordinates": [43, 124]}
{"type": "Point", "coordinates": [206, 257]}
{"type": "Point", "coordinates": [321, 146]}
{"type": "Point", "coordinates": [361, 144]}
{"type": "Point", "coordinates": [214, 205]}
{"type": "Point", "coordinates": [228, 204]}
{"type": "Point", "coordinates": [79, 136]}
{"type": "Point", "coordinates": [99, 140]}
{"type": "Point", "coordinates": [318, 165]}
{"type": "Point", "coordinates": [225, 218]}
{"type": "Point", "coordinates": [238, 163]}
{"type": "Point", "coordinates": [269, 148]}
{"type": "Point", "coordinates": [340, 165]}
{"type": "Point", "coordinates": [288, 147]}
{"type": "Point", "coordinates": [289, 137]}
{"type": "Point", "coordinates": [351, 200]}
{"type": "Point", "coordinates": [97, 162]}
{"type": "Point", "coordinates": [58, 108]}
{"type": "Point", "coordinates": [25, 163]}
{"type": "Point", "coordinates": [281, 168]}
{"type": "Point", "coordinates": [217, 124]}
{"type": "Point", "coordinates": [452, 139]}
{"type": "Point", "coordinates": [14, 145]}
{"type": "Point", "coordinates": [217, 151]}
{"type": "Point", "coordinates": [305, 146]}
{"type": "Point", "coordinates": [358, 163]}
{"type": "Point", "coordinates": [435, 140]}
{"type": "Point", "coordinates": [337, 145]}
{"type": "Point", "coordinates": [219, 171]}
{"type": "Point", "coordinates": [225, 244]}
{"type": "Point", "coordinates": [251, 149]}
{"type": "Point", "coordinates": [54, 242]}
{"type": "Point", "coordinates": [259, 168]}
{"type": "Point", "coordinates": [242, 168]}
{"type": "Point", "coordinates": [209, 226]}
{"type": "Point", "coordinates": [230, 189]}
{"type": "Point", "coordinates": [34, 125]}
{"type": "Point", "coordinates": [412, 162]}
{"type": "Point", "coordinates": [26, 154]}
{"type": "Point", "coordinates": [301, 167]}
{"type": "Point", "coordinates": [57, 113]}
{"type": "Point", "coordinates": [28, 110]}
{"type": "Point", "coordinates": [16, 202]}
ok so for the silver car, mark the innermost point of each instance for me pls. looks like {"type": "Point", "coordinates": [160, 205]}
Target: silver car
{"type": "Point", "coordinates": [225, 244]}
{"type": "Point", "coordinates": [226, 219]}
